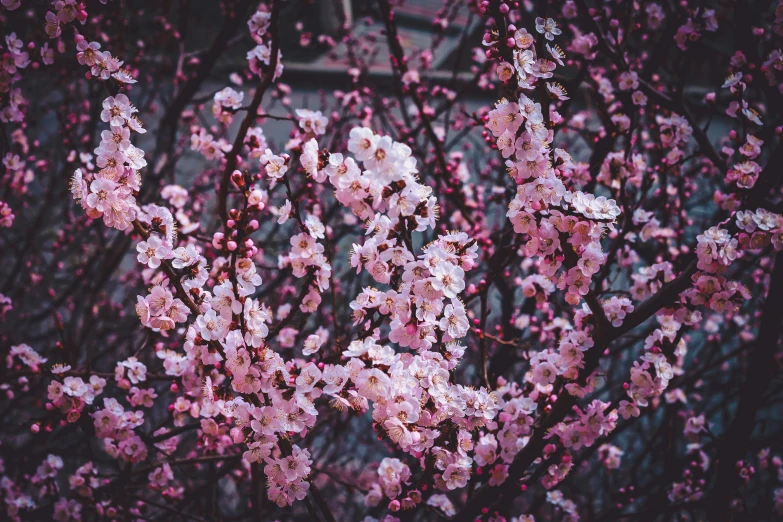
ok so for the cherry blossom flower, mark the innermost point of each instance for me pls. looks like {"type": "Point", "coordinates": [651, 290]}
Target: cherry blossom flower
{"type": "Point", "coordinates": [548, 28]}
{"type": "Point", "coordinates": [152, 251]}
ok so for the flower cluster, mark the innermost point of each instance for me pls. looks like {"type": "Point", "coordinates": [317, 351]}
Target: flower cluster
{"type": "Point", "coordinates": [440, 304]}
{"type": "Point", "coordinates": [109, 192]}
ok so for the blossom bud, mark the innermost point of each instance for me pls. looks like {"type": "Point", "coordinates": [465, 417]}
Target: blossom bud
{"type": "Point", "coordinates": [231, 245]}
{"type": "Point", "coordinates": [217, 240]}
{"type": "Point", "coordinates": [237, 178]}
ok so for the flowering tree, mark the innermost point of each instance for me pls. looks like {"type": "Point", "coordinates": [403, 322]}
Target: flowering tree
{"type": "Point", "coordinates": [561, 304]}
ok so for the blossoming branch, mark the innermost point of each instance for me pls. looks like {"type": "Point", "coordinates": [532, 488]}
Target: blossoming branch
{"type": "Point", "coordinates": [526, 267]}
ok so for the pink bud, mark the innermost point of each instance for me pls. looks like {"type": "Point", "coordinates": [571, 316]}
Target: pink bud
{"type": "Point", "coordinates": [236, 177]}
{"type": "Point", "coordinates": [217, 240]}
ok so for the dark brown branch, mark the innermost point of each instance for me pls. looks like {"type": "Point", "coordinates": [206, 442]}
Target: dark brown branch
{"type": "Point", "coordinates": [734, 442]}
{"type": "Point", "coordinates": [167, 130]}
{"type": "Point", "coordinates": [252, 113]}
